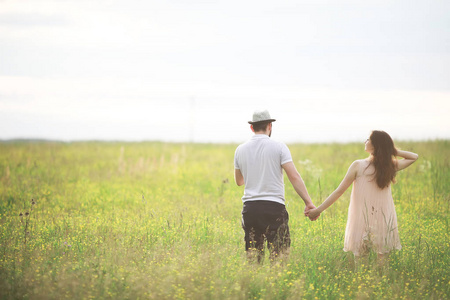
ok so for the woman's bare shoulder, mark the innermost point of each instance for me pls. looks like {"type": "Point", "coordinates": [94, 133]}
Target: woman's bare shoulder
{"type": "Point", "coordinates": [360, 165]}
{"type": "Point", "coordinates": [361, 162]}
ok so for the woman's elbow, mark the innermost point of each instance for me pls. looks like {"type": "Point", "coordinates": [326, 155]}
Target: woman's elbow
{"type": "Point", "coordinates": [340, 190]}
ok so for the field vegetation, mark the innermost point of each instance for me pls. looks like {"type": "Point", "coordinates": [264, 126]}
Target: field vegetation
{"type": "Point", "coordinates": [112, 220]}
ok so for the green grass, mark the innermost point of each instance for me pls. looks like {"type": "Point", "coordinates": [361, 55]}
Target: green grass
{"type": "Point", "coordinates": [162, 221]}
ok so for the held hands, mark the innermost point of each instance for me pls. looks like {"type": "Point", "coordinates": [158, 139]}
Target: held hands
{"type": "Point", "coordinates": [311, 208]}
{"type": "Point", "coordinates": [313, 214]}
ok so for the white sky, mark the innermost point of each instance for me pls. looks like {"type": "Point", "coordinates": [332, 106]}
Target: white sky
{"type": "Point", "coordinates": [196, 70]}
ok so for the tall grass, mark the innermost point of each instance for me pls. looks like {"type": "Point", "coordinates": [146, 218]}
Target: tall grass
{"type": "Point", "coordinates": [162, 221]}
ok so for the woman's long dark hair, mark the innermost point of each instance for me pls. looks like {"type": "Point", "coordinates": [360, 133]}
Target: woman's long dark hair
{"type": "Point", "coordinates": [383, 158]}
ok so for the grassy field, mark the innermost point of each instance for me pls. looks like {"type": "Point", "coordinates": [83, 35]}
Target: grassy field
{"type": "Point", "coordinates": [162, 221]}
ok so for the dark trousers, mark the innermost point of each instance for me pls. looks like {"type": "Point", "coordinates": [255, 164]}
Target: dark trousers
{"type": "Point", "coordinates": [265, 220]}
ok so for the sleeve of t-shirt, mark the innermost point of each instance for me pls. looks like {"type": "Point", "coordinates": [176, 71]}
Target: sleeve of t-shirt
{"type": "Point", "coordinates": [236, 154]}
{"type": "Point", "coordinates": [285, 154]}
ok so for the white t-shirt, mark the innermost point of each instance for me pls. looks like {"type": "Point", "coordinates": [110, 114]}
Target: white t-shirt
{"type": "Point", "coordinates": [259, 160]}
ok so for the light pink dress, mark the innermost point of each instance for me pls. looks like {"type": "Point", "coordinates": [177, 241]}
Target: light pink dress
{"type": "Point", "coordinates": [372, 221]}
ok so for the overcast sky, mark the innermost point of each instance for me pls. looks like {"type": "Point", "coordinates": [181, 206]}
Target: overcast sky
{"type": "Point", "coordinates": [195, 70]}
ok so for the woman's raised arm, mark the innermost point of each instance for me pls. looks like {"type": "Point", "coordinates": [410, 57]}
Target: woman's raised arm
{"type": "Point", "coordinates": [409, 159]}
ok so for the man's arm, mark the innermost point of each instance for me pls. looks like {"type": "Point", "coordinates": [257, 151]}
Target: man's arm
{"type": "Point", "coordinates": [238, 178]}
{"type": "Point", "coordinates": [298, 184]}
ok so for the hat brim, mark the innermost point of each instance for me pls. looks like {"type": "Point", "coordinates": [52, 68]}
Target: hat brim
{"type": "Point", "coordinates": [263, 121]}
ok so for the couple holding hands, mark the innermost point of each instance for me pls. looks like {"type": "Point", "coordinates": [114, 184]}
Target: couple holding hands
{"type": "Point", "coordinates": [372, 221]}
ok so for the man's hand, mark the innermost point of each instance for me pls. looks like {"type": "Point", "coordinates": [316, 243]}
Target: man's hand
{"type": "Point", "coordinates": [308, 208]}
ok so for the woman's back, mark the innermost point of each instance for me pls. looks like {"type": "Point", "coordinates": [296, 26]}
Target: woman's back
{"type": "Point", "coordinates": [372, 221]}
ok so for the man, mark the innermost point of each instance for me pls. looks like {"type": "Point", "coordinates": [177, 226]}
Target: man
{"type": "Point", "coordinates": [259, 164]}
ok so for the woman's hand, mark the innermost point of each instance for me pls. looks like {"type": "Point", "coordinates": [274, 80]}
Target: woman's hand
{"type": "Point", "coordinates": [308, 208]}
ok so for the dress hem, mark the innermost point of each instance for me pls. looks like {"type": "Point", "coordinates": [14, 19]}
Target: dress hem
{"type": "Point", "coordinates": [378, 252]}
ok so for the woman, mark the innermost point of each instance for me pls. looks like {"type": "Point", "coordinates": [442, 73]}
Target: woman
{"type": "Point", "coordinates": [372, 221]}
